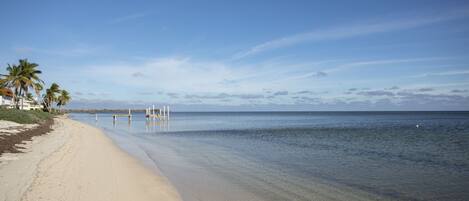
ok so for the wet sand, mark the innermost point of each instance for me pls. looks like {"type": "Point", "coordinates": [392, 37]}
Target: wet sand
{"type": "Point", "coordinates": [78, 162]}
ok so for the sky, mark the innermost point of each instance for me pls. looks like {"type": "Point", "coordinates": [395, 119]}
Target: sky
{"type": "Point", "coordinates": [246, 55]}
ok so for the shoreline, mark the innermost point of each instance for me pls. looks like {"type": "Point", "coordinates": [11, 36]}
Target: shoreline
{"type": "Point", "coordinates": [77, 161]}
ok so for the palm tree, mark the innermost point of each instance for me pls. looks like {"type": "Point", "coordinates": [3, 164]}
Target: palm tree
{"type": "Point", "coordinates": [21, 78]}
{"type": "Point", "coordinates": [13, 79]}
{"type": "Point", "coordinates": [30, 77]}
{"type": "Point", "coordinates": [29, 96]}
{"type": "Point", "coordinates": [50, 96]}
{"type": "Point", "coordinates": [63, 99]}
{"type": "Point", "coordinates": [38, 88]}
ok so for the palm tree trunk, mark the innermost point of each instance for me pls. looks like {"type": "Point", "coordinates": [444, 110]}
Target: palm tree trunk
{"type": "Point", "coordinates": [21, 91]}
{"type": "Point", "coordinates": [15, 98]}
{"type": "Point", "coordinates": [48, 105]}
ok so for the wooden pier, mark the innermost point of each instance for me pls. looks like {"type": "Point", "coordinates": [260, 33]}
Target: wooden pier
{"type": "Point", "coordinates": [162, 114]}
{"type": "Point", "coordinates": [150, 114]}
{"type": "Point", "coordinates": [129, 116]}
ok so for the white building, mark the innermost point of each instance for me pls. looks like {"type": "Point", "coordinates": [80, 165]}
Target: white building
{"type": "Point", "coordinates": [30, 105]}
{"type": "Point", "coordinates": [6, 100]}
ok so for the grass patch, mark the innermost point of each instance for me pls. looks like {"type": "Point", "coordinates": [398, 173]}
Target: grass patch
{"type": "Point", "coordinates": [24, 116]}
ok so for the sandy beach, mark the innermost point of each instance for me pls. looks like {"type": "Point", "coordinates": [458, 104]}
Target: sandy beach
{"type": "Point", "coordinates": [78, 162]}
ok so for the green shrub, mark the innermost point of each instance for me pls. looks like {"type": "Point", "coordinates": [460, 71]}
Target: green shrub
{"type": "Point", "coordinates": [24, 116]}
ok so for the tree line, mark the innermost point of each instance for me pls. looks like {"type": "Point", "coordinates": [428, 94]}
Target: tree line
{"type": "Point", "coordinates": [23, 78]}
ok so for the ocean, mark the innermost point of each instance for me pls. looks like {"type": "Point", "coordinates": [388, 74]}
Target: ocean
{"type": "Point", "coordinates": [302, 155]}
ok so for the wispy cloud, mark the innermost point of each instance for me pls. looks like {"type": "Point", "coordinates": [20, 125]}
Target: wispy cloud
{"type": "Point", "coordinates": [333, 68]}
{"type": "Point", "coordinates": [138, 74]}
{"type": "Point", "coordinates": [128, 18]}
{"type": "Point", "coordinates": [444, 73]}
{"type": "Point", "coordinates": [173, 95]}
{"type": "Point", "coordinates": [304, 92]}
{"type": "Point", "coordinates": [349, 31]}
{"type": "Point", "coordinates": [376, 93]}
{"type": "Point", "coordinates": [459, 91]}
{"type": "Point", "coordinates": [392, 88]}
{"type": "Point", "coordinates": [382, 62]}
{"type": "Point", "coordinates": [224, 96]}
{"type": "Point", "coordinates": [426, 89]}
{"type": "Point", "coordinates": [314, 74]}
{"type": "Point", "coordinates": [173, 74]}
{"type": "Point", "coordinates": [281, 93]}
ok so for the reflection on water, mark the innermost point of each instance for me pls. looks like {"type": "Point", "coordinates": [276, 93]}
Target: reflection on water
{"type": "Point", "coordinates": [157, 126]}
{"type": "Point", "coordinates": [151, 125]}
{"type": "Point", "coordinates": [304, 156]}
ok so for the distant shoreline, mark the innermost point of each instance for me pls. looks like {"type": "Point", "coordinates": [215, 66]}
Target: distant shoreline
{"type": "Point", "coordinates": [92, 111]}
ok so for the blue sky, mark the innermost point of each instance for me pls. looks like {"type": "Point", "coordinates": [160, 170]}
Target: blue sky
{"type": "Point", "coordinates": [247, 55]}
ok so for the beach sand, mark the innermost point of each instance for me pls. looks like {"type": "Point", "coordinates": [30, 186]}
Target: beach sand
{"type": "Point", "coordinates": [78, 162]}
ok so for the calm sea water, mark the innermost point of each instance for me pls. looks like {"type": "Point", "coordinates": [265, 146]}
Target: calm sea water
{"type": "Point", "coordinates": [303, 155]}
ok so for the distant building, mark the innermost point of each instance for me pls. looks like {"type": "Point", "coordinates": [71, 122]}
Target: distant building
{"type": "Point", "coordinates": [30, 104]}
{"type": "Point", "coordinates": [6, 98]}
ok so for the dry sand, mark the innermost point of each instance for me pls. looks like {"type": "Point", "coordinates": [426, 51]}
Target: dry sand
{"type": "Point", "coordinates": [8, 127]}
{"type": "Point", "coordinates": [78, 162]}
